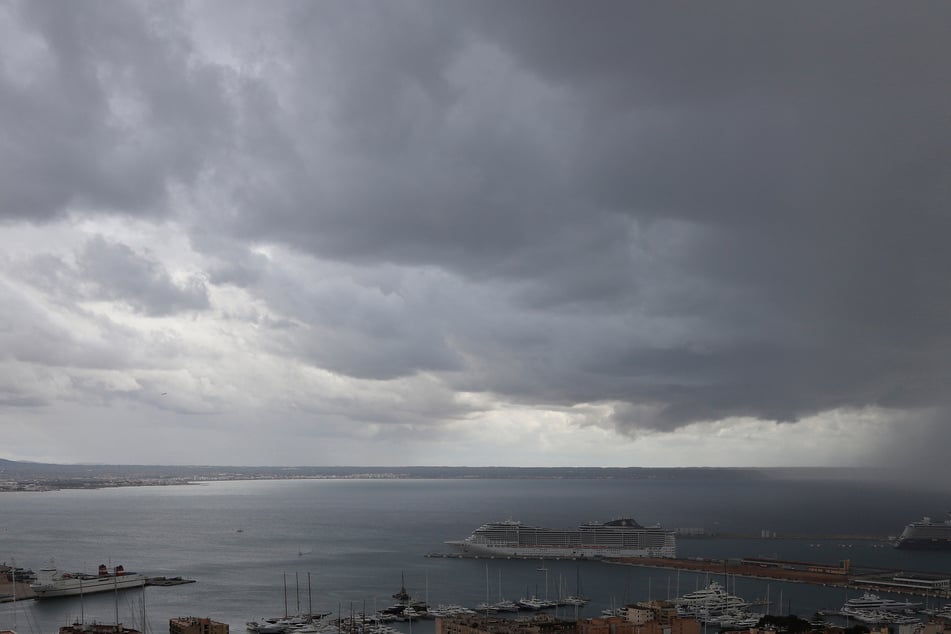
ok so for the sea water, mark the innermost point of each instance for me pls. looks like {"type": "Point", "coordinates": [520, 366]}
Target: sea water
{"type": "Point", "coordinates": [266, 548]}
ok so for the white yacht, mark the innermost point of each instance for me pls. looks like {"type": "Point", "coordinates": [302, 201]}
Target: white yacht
{"type": "Point", "coordinates": [710, 603]}
{"type": "Point", "coordinates": [869, 601]}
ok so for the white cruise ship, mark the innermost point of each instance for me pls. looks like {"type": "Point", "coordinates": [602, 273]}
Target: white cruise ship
{"type": "Point", "coordinates": [617, 538]}
{"type": "Point", "coordinates": [54, 583]}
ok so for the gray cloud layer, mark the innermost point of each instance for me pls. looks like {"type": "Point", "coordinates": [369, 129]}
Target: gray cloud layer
{"type": "Point", "coordinates": [694, 211]}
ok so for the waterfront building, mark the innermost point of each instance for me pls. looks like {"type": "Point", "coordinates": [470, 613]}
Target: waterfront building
{"type": "Point", "coordinates": [691, 532]}
{"type": "Point", "coordinates": [473, 624]}
{"type": "Point", "coordinates": [931, 584]}
{"type": "Point", "coordinates": [195, 625]}
{"type": "Point", "coordinates": [641, 620]}
{"type": "Point", "coordinates": [606, 625]}
{"type": "Point", "coordinates": [659, 617]}
{"type": "Point", "coordinates": [935, 626]}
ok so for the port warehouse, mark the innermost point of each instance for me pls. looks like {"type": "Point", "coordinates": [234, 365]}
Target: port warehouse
{"type": "Point", "coordinates": [932, 584]}
{"type": "Point", "coordinates": [842, 569]}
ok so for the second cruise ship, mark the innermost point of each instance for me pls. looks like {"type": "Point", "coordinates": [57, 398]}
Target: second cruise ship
{"type": "Point", "coordinates": [926, 535]}
{"type": "Point", "coordinates": [617, 538]}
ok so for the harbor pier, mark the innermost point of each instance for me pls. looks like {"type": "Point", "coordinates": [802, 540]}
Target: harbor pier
{"type": "Point", "coordinates": [844, 575]}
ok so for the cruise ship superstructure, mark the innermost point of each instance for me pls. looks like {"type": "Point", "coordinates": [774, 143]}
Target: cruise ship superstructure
{"type": "Point", "coordinates": [617, 538]}
{"type": "Point", "coordinates": [926, 535]}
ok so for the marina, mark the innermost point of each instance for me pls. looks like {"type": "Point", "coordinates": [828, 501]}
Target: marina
{"type": "Point", "coordinates": [360, 539]}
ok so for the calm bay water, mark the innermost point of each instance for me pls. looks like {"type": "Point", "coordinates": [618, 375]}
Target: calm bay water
{"type": "Point", "coordinates": [355, 539]}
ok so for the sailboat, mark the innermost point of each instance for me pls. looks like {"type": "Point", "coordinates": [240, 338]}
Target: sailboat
{"type": "Point", "coordinates": [80, 627]}
{"type": "Point", "coordinates": [402, 595]}
{"type": "Point", "coordinates": [13, 576]}
{"type": "Point", "coordinates": [578, 597]}
{"type": "Point", "coordinates": [279, 625]}
{"type": "Point", "coordinates": [485, 606]}
{"type": "Point", "coordinates": [504, 605]}
{"type": "Point", "coordinates": [405, 602]}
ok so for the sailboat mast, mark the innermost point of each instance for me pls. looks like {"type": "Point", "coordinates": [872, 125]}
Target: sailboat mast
{"type": "Point", "coordinates": [115, 587]}
{"type": "Point", "coordinates": [13, 561]}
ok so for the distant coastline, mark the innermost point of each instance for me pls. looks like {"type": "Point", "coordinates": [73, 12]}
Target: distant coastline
{"type": "Point", "coordinates": [38, 477]}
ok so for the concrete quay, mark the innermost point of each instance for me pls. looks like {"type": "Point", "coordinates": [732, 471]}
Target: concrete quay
{"type": "Point", "coordinates": [21, 592]}
{"type": "Point", "coordinates": [25, 593]}
{"type": "Point", "coordinates": [845, 575]}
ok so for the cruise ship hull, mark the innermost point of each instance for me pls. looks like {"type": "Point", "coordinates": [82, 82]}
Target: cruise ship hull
{"type": "Point", "coordinates": [617, 538]}
{"type": "Point", "coordinates": [552, 552]}
{"type": "Point", "coordinates": [911, 543]}
{"type": "Point", "coordinates": [926, 535]}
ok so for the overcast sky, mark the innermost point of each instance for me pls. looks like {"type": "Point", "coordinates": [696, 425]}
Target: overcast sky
{"type": "Point", "coordinates": [475, 233]}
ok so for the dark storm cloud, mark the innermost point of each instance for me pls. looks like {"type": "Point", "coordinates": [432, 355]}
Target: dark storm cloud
{"type": "Point", "coordinates": [21, 401]}
{"type": "Point", "coordinates": [112, 271]}
{"type": "Point", "coordinates": [695, 210]}
{"type": "Point", "coordinates": [34, 336]}
{"type": "Point", "coordinates": [103, 107]}
{"type": "Point", "coordinates": [348, 321]}
{"type": "Point", "coordinates": [115, 272]}
{"type": "Point", "coordinates": [804, 149]}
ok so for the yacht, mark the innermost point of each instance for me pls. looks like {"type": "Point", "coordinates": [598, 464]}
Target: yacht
{"type": "Point", "coordinates": [869, 601]}
{"type": "Point", "coordinates": [710, 603]}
